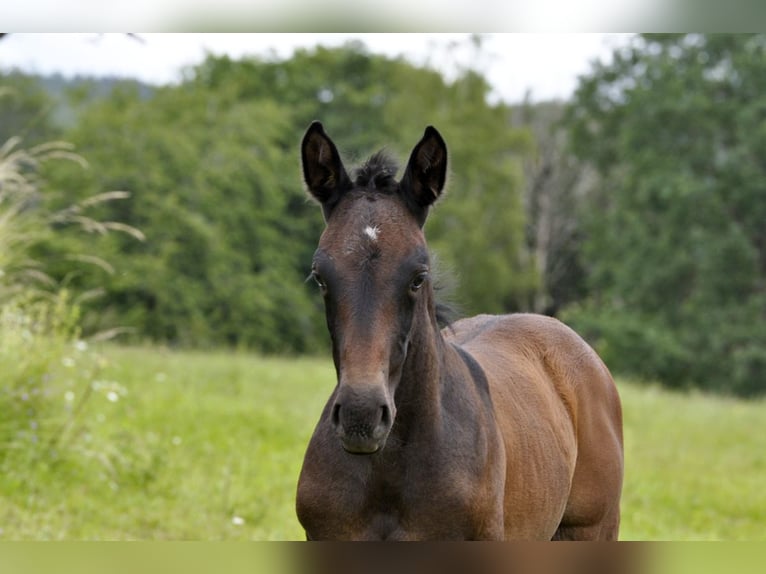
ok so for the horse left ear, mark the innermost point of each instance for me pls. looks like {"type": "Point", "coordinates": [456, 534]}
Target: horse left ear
{"type": "Point", "coordinates": [426, 173]}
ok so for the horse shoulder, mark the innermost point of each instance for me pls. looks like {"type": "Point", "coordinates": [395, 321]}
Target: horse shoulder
{"type": "Point", "coordinates": [574, 369]}
{"type": "Point", "coordinates": [537, 354]}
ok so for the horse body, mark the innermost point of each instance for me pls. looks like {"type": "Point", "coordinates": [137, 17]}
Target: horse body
{"type": "Point", "coordinates": [561, 422]}
{"type": "Point", "coordinates": [495, 427]}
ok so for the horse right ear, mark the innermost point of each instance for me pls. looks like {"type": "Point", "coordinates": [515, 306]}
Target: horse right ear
{"type": "Point", "coordinates": [323, 171]}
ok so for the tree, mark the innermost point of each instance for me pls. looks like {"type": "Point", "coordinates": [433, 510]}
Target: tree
{"type": "Point", "coordinates": [675, 126]}
{"type": "Point", "coordinates": [209, 187]}
{"type": "Point", "coordinates": [25, 110]}
{"type": "Point", "coordinates": [212, 165]}
{"type": "Point", "coordinates": [555, 189]}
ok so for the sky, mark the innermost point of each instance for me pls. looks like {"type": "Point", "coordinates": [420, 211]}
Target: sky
{"type": "Point", "coordinates": [347, 15]}
{"type": "Point", "coordinates": [545, 66]}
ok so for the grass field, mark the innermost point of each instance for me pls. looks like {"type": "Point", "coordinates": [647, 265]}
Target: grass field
{"type": "Point", "coordinates": [208, 446]}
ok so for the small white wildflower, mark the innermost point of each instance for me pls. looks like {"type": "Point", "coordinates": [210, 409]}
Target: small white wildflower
{"type": "Point", "coordinates": [68, 362]}
{"type": "Point", "coordinates": [176, 440]}
{"type": "Point", "coordinates": [237, 520]}
{"type": "Point", "coordinates": [69, 396]}
{"type": "Point", "coordinates": [112, 389]}
{"type": "Point", "coordinates": [81, 346]}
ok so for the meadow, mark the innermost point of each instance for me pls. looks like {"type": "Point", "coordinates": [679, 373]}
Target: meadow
{"type": "Point", "coordinates": [180, 445]}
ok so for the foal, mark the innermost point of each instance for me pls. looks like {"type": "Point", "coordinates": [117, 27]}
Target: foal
{"type": "Point", "coordinates": [496, 427]}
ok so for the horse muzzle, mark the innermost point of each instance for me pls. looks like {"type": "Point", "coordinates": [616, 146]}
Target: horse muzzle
{"type": "Point", "coordinates": [362, 420]}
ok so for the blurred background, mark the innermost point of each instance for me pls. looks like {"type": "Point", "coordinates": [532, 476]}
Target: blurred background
{"type": "Point", "coordinates": [155, 238]}
{"type": "Point", "coordinates": [613, 180]}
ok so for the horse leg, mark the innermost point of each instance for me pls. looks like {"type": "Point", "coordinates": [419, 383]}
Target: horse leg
{"type": "Point", "coordinates": [605, 529]}
{"type": "Point", "coordinates": [593, 509]}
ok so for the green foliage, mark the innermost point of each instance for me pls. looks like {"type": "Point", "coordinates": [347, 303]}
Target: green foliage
{"type": "Point", "coordinates": [212, 165]}
{"type": "Point", "coordinates": [34, 339]}
{"type": "Point", "coordinates": [29, 221]}
{"type": "Point", "coordinates": [214, 199]}
{"type": "Point", "coordinates": [49, 373]}
{"type": "Point", "coordinates": [676, 127]}
{"type": "Point", "coordinates": [633, 343]}
{"type": "Point", "coordinates": [26, 110]}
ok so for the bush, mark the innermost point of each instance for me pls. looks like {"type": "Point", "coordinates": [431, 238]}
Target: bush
{"type": "Point", "coordinates": [634, 345]}
{"type": "Point", "coordinates": [720, 351]}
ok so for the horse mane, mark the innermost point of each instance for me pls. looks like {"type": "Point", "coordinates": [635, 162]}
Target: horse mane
{"type": "Point", "coordinates": [378, 173]}
{"type": "Point", "coordinates": [445, 285]}
{"type": "Point", "coordinates": [446, 314]}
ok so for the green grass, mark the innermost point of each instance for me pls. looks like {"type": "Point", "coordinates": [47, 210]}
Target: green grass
{"type": "Point", "coordinates": [695, 466]}
{"type": "Point", "coordinates": [197, 443]}
{"type": "Point", "coordinates": [208, 446]}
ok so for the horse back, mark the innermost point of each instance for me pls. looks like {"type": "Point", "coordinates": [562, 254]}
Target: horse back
{"type": "Point", "coordinates": [559, 414]}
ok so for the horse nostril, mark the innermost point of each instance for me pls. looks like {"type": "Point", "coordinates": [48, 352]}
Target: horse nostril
{"type": "Point", "coordinates": [385, 415]}
{"type": "Point", "coordinates": [336, 415]}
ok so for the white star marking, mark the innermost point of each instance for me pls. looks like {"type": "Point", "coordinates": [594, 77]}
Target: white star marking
{"type": "Point", "coordinates": [371, 232]}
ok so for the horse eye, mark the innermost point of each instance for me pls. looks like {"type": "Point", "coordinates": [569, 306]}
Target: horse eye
{"type": "Point", "coordinates": [418, 281]}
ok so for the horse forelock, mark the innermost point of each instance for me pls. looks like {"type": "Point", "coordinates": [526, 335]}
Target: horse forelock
{"type": "Point", "coordinates": [378, 173]}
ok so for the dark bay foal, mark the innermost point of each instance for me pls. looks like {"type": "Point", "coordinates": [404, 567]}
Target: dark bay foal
{"type": "Point", "coordinates": [496, 427]}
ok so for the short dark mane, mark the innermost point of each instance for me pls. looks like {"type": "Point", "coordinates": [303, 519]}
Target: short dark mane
{"type": "Point", "coordinates": [378, 173]}
{"type": "Point", "coordinates": [446, 314]}
{"type": "Point", "coordinates": [445, 285]}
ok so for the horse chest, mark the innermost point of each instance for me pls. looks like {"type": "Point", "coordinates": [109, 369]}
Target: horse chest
{"type": "Point", "coordinates": [360, 500]}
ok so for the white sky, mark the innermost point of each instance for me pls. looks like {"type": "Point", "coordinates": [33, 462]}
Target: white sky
{"type": "Point", "coordinates": [545, 64]}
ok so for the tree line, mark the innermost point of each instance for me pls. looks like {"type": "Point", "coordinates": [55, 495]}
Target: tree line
{"type": "Point", "coordinates": [635, 211]}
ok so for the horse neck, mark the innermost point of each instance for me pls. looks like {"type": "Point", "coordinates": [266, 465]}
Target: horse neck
{"type": "Point", "coordinates": [418, 396]}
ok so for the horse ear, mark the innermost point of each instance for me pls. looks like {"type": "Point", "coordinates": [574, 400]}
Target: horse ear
{"type": "Point", "coordinates": [426, 172]}
{"type": "Point", "coordinates": [323, 170]}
